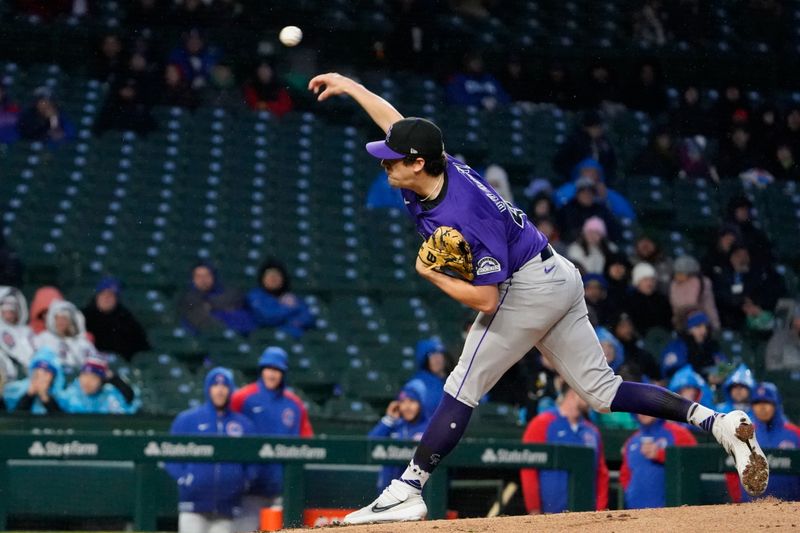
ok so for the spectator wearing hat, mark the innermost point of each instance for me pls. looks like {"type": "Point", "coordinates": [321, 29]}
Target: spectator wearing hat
{"type": "Point", "coordinates": [583, 206]}
{"type": "Point", "coordinates": [690, 290]}
{"type": "Point", "coordinates": [99, 390]}
{"type": "Point", "coordinates": [266, 92]}
{"type": "Point", "coordinates": [66, 335]}
{"type": "Point", "coordinates": [617, 272]}
{"type": "Point", "coordinates": [695, 161]}
{"type": "Point", "coordinates": [114, 327]}
{"type": "Point", "coordinates": [689, 384]}
{"type": "Point", "coordinates": [693, 346]}
{"type": "Point", "coordinates": [783, 348]}
{"type": "Point", "coordinates": [39, 392]}
{"type": "Point", "coordinates": [740, 214]}
{"type": "Point", "coordinates": [773, 430]}
{"type": "Point", "coordinates": [647, 307]}
{"type": "Point", "coordinates": [592, 248]}
{"type": "Point", "coordinates": [9, 116]}
{"type": "Point", "coordinates": [545, 491]}
{"type": "Point", "coordinates": [433, 367]}
{"type": "Point", "coordinates": [642, 474]}
{"type": "Point", "coordinates": [405, 419]}
{"type": "Point", "coordinates": [737, 390]}
{"type": "Point", "coordinates": [43, 298]}
{"type": "Point", "coordinates": [619, 206]}
{"type": "Point", "coordinates": [274, 305]}
{"type": "Point", "coordinates": [16, 337]}
{"type": "Point", "coordinates": [595, 291]}
{"type": "Point", "coordinates": [641, 363]}
{"type": "Point", "coordinates": [43, 121]}
{"type": "Point", "coordinates": [588, 141]}
{"type": "Point", "coordinates": [616, 359]}
{"type": "Point", "coordinates": [274, 411]}
{"type": "Point", "coordinates": [210, 494]}
{"type": "Point", "coordinates": [746, 293]}
{"type": "Point", "coordinates": [646, 249]}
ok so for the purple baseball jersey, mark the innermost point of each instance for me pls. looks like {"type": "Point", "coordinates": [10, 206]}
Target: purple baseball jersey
{"type": "Point", "coordinates": [499, 234]}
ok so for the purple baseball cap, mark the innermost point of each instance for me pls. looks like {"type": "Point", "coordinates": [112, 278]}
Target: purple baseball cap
{"type": "Point", "coordinates": [409, 137]}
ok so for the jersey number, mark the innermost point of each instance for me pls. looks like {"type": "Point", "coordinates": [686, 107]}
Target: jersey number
{"type": "Point", "coordinates": [517, 215]}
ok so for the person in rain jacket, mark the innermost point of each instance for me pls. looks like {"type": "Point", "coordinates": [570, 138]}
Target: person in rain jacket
{"type": "Point", "coordinates": [66, 335]}
{"type": "Point", "coordinates": [16, 337]}
{"type": "Point", "coordinates": [404, 420]}
{"type": "Point", "coordinates": [619, 206]}
{"type": "Point", "coordinates": [210, 494]}
{"type": "Point", "coordinates": [694, 346]}
{"type": "Point", "coordinates": [737, 389]}
{"type": "Point", "coordinates": [274, 411]}
{"type": "Point", "coordinates": [642, 474]}
{"type": "Point", "coordinates": [691, 385]}
{"type": "Point", "coordinates": [98, 390]}
{"type": "Point", "coordinates": [615, 356]}
{"type": "Point", "coordinates": [273, 305]}
{"type": "Point", "coordinates": [39, 392]}
{"type": "Point", "coordinates": [772, 431]}
{"type": "Point", "coordinates": [433, 368]}
{"type": "Point", "coordinates": [43, 298]}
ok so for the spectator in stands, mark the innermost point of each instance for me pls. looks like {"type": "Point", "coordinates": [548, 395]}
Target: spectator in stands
{"type": "Point", "coordinates": [648, 24]}
{"type": "Point", "coordinates": [783, 165]}
{"type": "Point", "coordinates": [600, 89]}
{"type": "Point", "coordinates": [731, 110]}
{"type": "Point", "coordinates": [690, 290]}
{"type": "Point", "coordinates": [589, 168]}
{"type": "Point", "coordinates": [405, 419]}
{"type": "Point", "coordinates": [588, 141]}
{"type": "Point", "coordinates": [642, 474]}
{"type": "Point", "coordinates": [141, 69]}
{"type": "Point", "coordinates": [53, 9]}
{"type": "Point", "coordinates": [433, 367]}
{"type": "Point", "coordinates": [207, 305]}
{"type": "Point", "coordinates": [640, 362]}
{"type": "Point", "coordinates": [44, 121]}
{"type": "Point", "coordinates": [195, 58]}
{"type": "Point", "coordinates": [473, 86]}
{"type": "Point", "coordinates": [691, 118]}
{"type": "Point", "coordinates": [595, 291]}
{"type": "Point", "coordinates": [773, 430]}
{"type": "Point", "coordinates": [43, 298]}
{"type": "Point", "coordinates": [647, 307]}
{"type": "Point", "coordinates": [223, 90]}
{"type": "Point", "coordinates": [648, 250]}
{"type": "Point", "coordinates": [693, 346]}
{"type": "Point", "coordinates": [113, 326]}
{"type": "Point", "coordinates": [381, 195]}
{"type": "Point", "coordinates": [125, 109]}
{"type": "Point", "coordinates": [716, 259]}
{"type": "Point", "coordinates": [592, 248]}
{"type": "Point", "coordinates": [414, 35]}
{"type": "Point", "coordinates": [548, 227]}
{"type": "Point", "coordinates": [176, 91]}
{"type": "Point", "coordinates": [109, 61]}
{"type": "Point", "coordinates": [573, 215]}
{"type": "Point", "coordinates": [615, 356]}
{"type": "Point", "coordinates": [791, 130]}
{"type": "Point", "coordinates": [266, 92]}
{"type": "Point", "coordinates": [694, 160]}
{"type": "Point", "coordinates": [557, 88]}
{"type": "Point", "coordinates": [517, 79]}
{"type": "Point", "coordinates": [274, 305]}
{"type": "Point", "coordinates": [737, 389]}
{"type": "Point", "coordinates": [66, 335]}
{"type": "Point", "coordinates": [274, 411]}
{"type": "Point", "coordinates": [736, 155]}
{"type": "Point", "coordinates": [746, 293]}
{"type": "Point", "coordinates": [647, 92]}
{"type": "Point", "coordinates": [691, 385]}
{"type": "Point", "coordinates": [659, 158]}
{"type": "Point", "coordinates": [766, 129]}
{"type": "Point", "coordinates": [97, 389]}
{"type": "Point", "coordinates": [9, 116]}
{"type": "Point", "coordinates": [741, 214]}
{"type": "Point", "coordinates": [617, 272]}
{"type": "Point", "coordinates": [783, 349]}
{"type": "Point", "coordinates": [16, 338]}
{"type": "Point", "coordinates": [545, 491]}
{"type": "Point", "coordinates": [38, 393]}
{"type": "Point", "coordinates": [209, 494]}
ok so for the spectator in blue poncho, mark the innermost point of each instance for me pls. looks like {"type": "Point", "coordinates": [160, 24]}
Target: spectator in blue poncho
{"type": "Point", "coordinates": [98, 390]}
{"type": "Point", "coordinates": [433, 366]}
{"type": "Point", "coordinates": [39, 392]}
{"type": "Point", "coordinates": [737, 390]}
{"type": "Point", "coordinates": [274, 305]}
{"type": "Point", "coordinates": [619, 206]}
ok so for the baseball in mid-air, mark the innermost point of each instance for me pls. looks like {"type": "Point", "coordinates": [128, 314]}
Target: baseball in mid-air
{"type": "Point", "coordinates": [290, 36]}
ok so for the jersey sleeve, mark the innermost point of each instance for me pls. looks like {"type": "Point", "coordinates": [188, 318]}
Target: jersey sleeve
{"type": "Point", "coordinates": [241, 395]}
{"type": "Point", "coordinates": [305, 424]}
{"type": "Point", "coordinates": [536, 432]}
{"type": "Point", "coordinates": [625, 469]}
{"type": "Point", "coordinates": [486, 239]}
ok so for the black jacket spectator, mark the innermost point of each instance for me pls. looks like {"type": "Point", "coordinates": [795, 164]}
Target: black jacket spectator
{"type": "Point", "coordinates": [783, 165]}
{"type": "Point", "coordinates": [716, 258]}
{"type": "Point", "coordinates": [659, 158]}
{"type": "Point", "coordinates": [114, 327]}
{"type": "Point", "coordinates": [647, 92]}
{"type": "Point", "coordinates": [572, 216]}
{"type": "Point", "coordinates": [176, 91]}
{"type": "Point", "coordinates": [639, 361]}
{"type": "Point", "coordinates": [589, 141]}
{"type": "Point", "coordinates": [110, 60]}
{"type": "Point", "coordinates": [125, 109]}
{"type": "Point", "coordinates": [736, 155]}
{"type": "Point", "coordinates": [600, 88]}
{"type": "Point", "coordinates": [557, 88]}
{"type": "Point", "coordinates": [691, 118]}
{"type": "Point", "coordinates": [740, 213]}
{"type": "Point", "coordinates": [731, 109]}
{"type": "Point", "coordinates": [647, 307]}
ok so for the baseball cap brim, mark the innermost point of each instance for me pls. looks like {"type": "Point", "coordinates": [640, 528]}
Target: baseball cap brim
{"type": "Point", "coordinates": [380, 150]}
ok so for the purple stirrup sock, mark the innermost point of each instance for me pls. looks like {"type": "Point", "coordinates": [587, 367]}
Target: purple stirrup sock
{"type": "Point", "coordinates": [651, 400]}
{"type": "Point", "coordinates": [446, 428]}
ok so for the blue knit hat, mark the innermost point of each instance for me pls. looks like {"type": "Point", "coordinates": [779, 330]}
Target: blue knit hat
{"type": "Point", "coordinates": [767, 392]}
{"type": "Point", "coordinates": [698, 318]}
{"type": "Point", "coordinates": [413, 390]}
{"type": "Point", "coordinates": [599, 278]}
{"type": "Point", "coordinates": [274, 357]}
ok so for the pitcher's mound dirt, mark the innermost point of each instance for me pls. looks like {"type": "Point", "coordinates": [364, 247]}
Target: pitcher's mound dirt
{"type": "Point", "coordinates": [764, 514]}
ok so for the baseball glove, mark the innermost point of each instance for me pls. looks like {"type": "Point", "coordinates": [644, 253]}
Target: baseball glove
{"type": "Point", "coordinates": [447, 251]}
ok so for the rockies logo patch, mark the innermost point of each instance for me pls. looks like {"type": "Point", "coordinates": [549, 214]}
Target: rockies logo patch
{"type": "Point", "coordinates": [487, 265]}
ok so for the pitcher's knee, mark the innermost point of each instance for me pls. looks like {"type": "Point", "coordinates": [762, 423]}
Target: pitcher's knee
{"type": "Point", "coordinates": [600, 396]}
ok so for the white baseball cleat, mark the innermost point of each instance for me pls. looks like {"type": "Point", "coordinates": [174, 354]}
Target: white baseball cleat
{"type": "Point", "coordinates": [736, 433]}
{"type": "Point", "coordinates": [397, 503]}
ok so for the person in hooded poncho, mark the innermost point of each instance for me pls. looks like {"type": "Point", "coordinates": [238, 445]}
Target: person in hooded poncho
{"type": "Point", "coordinates": [274, 305]}
{"type": "Point", "coordinates": [98, 390]}
{"type": "Point", "coordinates": [66, 335]}
{"type": "Point", "coordinates": [16, 337]}
{"type": "Point", "coordinates": [38, 393]}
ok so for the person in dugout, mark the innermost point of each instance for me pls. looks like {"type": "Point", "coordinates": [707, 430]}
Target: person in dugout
{"type": "Point", "coordinates": [773, 430]}
{"type": "Point", "coordinates": [642, 474]}
{"type": "Point", "coordinates": [545, 491]}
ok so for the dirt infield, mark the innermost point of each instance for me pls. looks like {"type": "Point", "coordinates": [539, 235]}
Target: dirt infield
{"type": "Point", "coordinates": [766, 514]}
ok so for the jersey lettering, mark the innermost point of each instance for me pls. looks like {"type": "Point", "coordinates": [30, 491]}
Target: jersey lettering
{"type": "Point", "coordinates": [499, 202]}
{"type": "Point", "coordinates": [517, 215]}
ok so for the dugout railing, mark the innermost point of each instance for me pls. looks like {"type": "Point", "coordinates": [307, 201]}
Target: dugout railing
{"type": "Point", "coordinates": [146, 452]}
